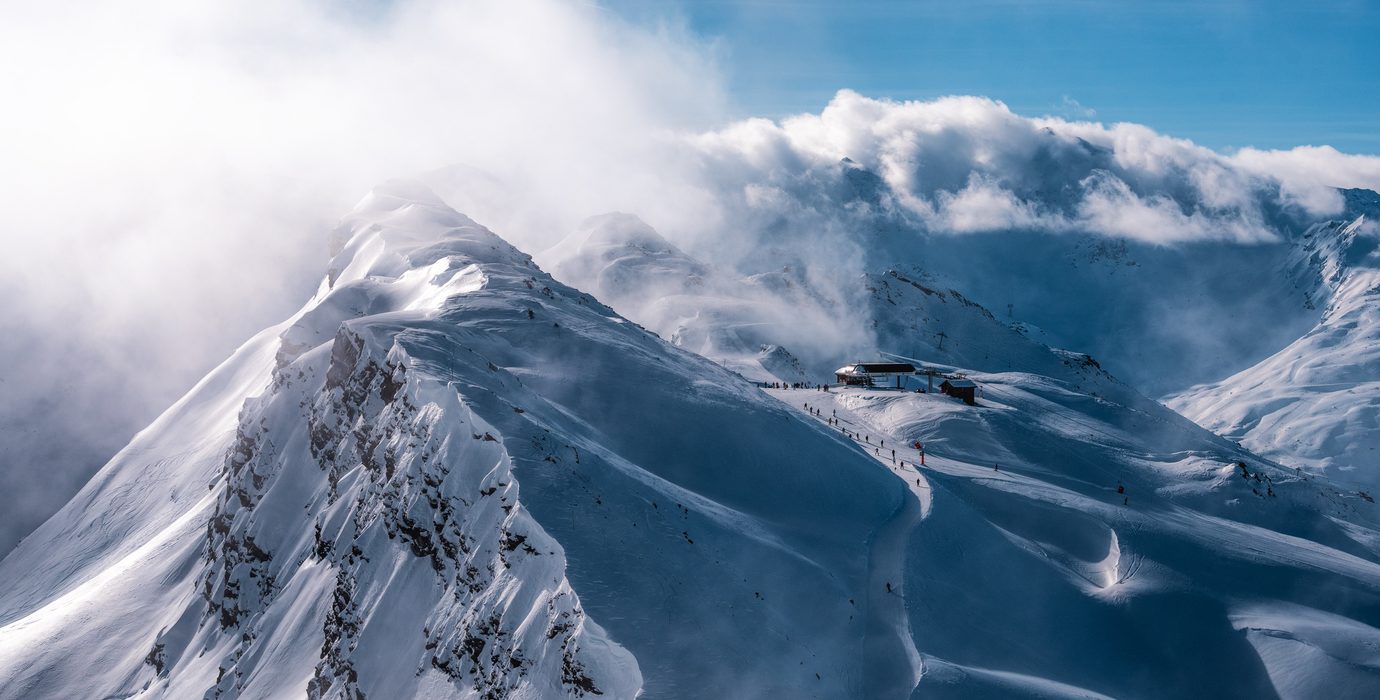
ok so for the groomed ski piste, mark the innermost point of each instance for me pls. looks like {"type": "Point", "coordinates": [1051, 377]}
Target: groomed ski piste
{"type": "Point", "coordinates": [451, 475]}
{"type": "Point", "coordinates": [1067, 546]}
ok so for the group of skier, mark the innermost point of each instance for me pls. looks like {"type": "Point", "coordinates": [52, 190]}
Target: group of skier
{"type": "Point", "coordinates": [792, 385]}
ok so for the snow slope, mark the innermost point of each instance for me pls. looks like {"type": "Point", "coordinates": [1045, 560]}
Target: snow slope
{"type": "Point", "coordinates": [451, 476]}
{"type": "Point", "coordinates": [779, 326]}
{"type": "Point", "coordinates": [1213, 573]}
{"type": "Point", "coordinates": [1028, 575]}
{"type": "Point", "coordinates": [1316, 402]}
{"type": "Point", "coordinates": [751, 324]}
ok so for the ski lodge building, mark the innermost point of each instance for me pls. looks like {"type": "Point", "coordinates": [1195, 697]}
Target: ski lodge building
{"type": "Point", "coordinates": [960, 388]}
{"type": "Point", "coordinates": [874, 373]}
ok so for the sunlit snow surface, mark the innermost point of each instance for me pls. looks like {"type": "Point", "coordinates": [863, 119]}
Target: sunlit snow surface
{"type": "Point", "coordinates": [1316, 403]}
{"type": "Point", "coordinates": [451, 475]}
{"type": "Point", "coordinates": [1030, 575]}
{"type": "Point", "coordinates": [455, 476]}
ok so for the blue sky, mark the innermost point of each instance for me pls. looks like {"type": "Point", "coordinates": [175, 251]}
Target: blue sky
{"type": "Point", "coordinates": [1268, 74]}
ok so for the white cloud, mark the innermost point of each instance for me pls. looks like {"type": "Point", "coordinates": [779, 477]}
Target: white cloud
{"type": "Point", "coordinates": [984, 206]}
{"type": "Point", "coordinates": [171, 167]}
{"type": "Point", "coordinates": [176, 155]}
{"type": "Point", "coordinates": [1109, 206]}
{"type": "Point", "coordinates": [1308, 174]}
{"type": "Point", "coordinates": [1074, 108]}
{"type": "Point", "coordinates": [969, 164]}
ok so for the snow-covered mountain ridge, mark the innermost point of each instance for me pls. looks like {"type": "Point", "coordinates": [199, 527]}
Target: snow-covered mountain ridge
{"type": "Point", "coordinates": [1316, 402]}
{"type": "Point", "coordinates": [436, 480]}
{"type": "Point", "coordinates": [780, 326]}
{"type": "Point", "coordinates": [1106, 507]}
{"type": "Point", "coordinates": [451, 475]}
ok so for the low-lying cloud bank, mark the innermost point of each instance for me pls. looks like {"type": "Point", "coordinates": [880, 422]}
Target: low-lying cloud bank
{"type": "Point", "coordinates": [969, 164]}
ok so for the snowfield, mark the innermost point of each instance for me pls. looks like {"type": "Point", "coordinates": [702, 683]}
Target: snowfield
{"type": "Point", "coordinates": [1030, 575]}
{"type": "Point", "coordinates": [1316, 402]}
{"type": "Point", "coordinates": [452, 475]}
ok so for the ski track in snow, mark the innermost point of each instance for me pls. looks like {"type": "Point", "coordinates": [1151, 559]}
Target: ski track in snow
{"type": "Point", "coordinates": [890, 642]}
{"type": "Point", "coordinates": [1111, 576]}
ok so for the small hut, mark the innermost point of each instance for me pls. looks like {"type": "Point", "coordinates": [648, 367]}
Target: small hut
{"type": "Point", "coordinates": [964, 389]}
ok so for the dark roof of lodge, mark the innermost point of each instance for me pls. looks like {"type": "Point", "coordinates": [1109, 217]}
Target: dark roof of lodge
{"type": "Point", "coordinates": [960, 383]}
{"type": "Point", "coordinates": [886, 367]}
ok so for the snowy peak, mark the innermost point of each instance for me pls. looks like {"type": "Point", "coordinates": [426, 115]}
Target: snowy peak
{"type": "Point", "coordinates": [1330, 250]}
{"type": "Point", "coordinates": [405, 250]}
{"type": "Point", "coordinates": [858, 184]}
{"type": "Point", "coordinates": [617, 229]}
{"type": "Point", "coordinates": [401, 226]}
{"type": "Point", "coordinates": [914, 314]}
{"type": "Point", "coordinates": [747, 323]}
{"type": "Point", "coordinates": [696, 306]}
{"type": "Point", "coordinates": [620, 257]}
{"type": "Point", "coordinates": [1361, 202]}
{"type": "Point", "coordinates": [1316, 402]}
{"type": "Point", "coordinates": [452, 475]}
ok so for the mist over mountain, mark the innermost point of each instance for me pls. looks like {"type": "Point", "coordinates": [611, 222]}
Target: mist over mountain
{"type": "Point", "coordinates": [1313, 403]}
{"type": "Point", "coordinates": [621, 386]}
{"type": "Point", "coordinates": [226, 138]}
{"type": "Point", "coordinates": [1118, 241]}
